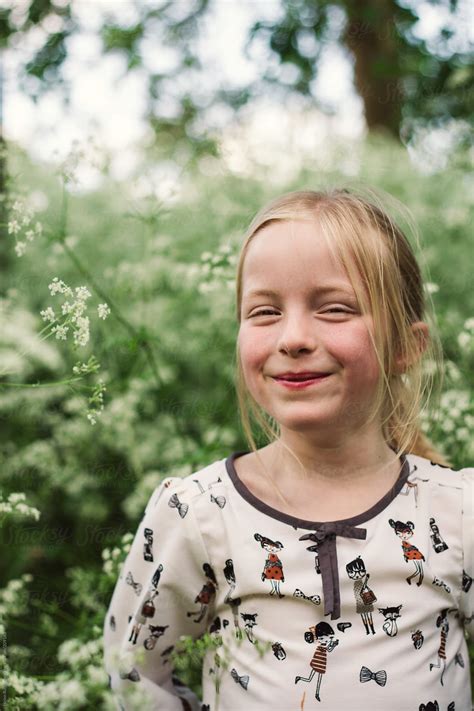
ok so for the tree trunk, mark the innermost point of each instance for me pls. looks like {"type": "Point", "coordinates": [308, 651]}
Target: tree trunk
{"type": "Point", "coordinates": [371, 37]}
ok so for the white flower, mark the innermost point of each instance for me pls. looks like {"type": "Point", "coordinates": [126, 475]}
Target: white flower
{"type": "Point", "coordinates": [469, 324]}
{"type": "Point", "coordinates": [60, 332]}
{"type": "Point", "coordinates": [448, 426]}
{"type": "Point", "coordinates": [97, 675]}
{"type": "Point", "coordinates": [73, 691]}
{"type": "Point", "coordinates": [26, 218]}
{"type": "Point", "coordinates": [13, 227]}
{"type": "Point", "coordinates": [57, 286]}
{"type": "Point", "coordinates": [16, 497]}
{"type": "Point", "coordinates": [30, 235]}
{"type": "Point", "coordinates": [78, 309]}
{"type": "Point", "coordinates": [48, 314]}
{"type": "Point", "coordinates": [20, 248]}
{"type": "Point", "coordinates": [103, 310]}
{"type": "Point", "coordinates": [82, 293]}
{"type": "Point", "coordinates": [464, 339]}
{"type": "Point", "coordinates": [81, 334]}
{"type": "Point", "coordinates": [67, 307]}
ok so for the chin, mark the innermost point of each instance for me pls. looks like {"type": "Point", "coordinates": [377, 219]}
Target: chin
{"type": "Point", "coordinates": [307, 421]}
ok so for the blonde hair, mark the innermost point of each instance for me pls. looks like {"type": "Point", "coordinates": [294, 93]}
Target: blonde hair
{"type": "Point", "coordinates": [371, 247]}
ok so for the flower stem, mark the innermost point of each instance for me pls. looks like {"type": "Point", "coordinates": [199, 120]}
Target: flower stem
{"type": "Point", "coordinates": [142, 342]}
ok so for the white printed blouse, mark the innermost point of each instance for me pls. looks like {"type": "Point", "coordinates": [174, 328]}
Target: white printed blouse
{"type": "Point", "coordinates": [365, 613]}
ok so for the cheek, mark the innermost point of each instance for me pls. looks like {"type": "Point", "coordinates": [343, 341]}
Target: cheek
{"type": "Point", "coordinates": [355, 348]}
{"type": "Point", "coordinates": [253, 351]}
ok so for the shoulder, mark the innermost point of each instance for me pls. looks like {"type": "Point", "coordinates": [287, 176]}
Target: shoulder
{"type": "Point", "coordinates": [188, 487]}
{"type": "Point", "coordinates": [426, 470]}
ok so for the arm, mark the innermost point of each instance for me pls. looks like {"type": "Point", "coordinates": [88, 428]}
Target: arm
{"type": "Point", "coordinates": [467, 592]}
{"type": "Point", "coordinates": [157, 587]}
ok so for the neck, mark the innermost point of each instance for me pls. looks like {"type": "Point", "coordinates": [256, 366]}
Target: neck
{"type": "Point", "coordinates": [355, 459]}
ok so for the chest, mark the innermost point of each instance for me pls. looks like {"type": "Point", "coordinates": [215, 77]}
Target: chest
{"type": "Point", "coordinates": [312, 502]}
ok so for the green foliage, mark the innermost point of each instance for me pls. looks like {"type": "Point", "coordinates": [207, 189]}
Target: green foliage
{"type": "Point", "coordinates": [416, 81]}
{"type": "Point", "coordinates": [167, 354]}
{"type": "Point", "coordinates": [403, 80]}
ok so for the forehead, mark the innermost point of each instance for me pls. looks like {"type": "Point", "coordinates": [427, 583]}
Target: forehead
{"type": "Point", "coordinates": [291, 254]}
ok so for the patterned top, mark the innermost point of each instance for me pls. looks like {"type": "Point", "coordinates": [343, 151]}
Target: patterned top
{"type": "Point", "coordinates": [364, 613]}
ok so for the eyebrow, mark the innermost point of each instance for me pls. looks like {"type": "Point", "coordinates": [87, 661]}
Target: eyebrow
{"type": "Point", "coordinates": [330, 288]}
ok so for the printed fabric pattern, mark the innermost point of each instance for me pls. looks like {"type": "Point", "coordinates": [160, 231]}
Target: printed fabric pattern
{"type": "Point", "coordinates": [209, 557]}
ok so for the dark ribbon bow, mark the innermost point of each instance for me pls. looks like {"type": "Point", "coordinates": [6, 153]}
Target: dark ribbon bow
{"type": "Point", "coordinates": [312, 598]}
{"type": "Point", "coordinates": [379, 677]}
{"type": "Point", "coordinates": [175, 503]}
{"type": "Point", "coordinates": [324, 538]}
{"type": "Point", "coordinates": [242, 680]}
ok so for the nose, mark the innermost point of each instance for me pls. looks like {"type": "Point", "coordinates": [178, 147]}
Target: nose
{"type": "Point", "coordinates": [297, 334]}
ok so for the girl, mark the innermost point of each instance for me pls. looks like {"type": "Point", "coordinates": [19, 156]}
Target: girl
{"type": "Point", "coordinates": [330, 350]}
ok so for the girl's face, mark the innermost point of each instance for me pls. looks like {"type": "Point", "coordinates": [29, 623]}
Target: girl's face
{"type": "Point", "coordinates": [313, 323]}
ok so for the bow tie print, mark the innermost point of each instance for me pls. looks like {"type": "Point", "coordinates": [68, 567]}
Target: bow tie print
{"type": "Point", "coordinates": [132, 675]}
{"type": "Point", "coordinates": [242, 680]}
{"type": "Point", "coordinates": [175, 503]}
{"type": "Point", "coordinates": [315, 599]}
{"type": "Point", "coordinates": [219, 500]}
{"type": "Point", "coordinates": [136, 586]}
{"type": "Point", "coordinates": [379, 677]}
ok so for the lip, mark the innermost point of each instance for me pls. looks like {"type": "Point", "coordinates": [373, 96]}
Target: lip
{"type": "Point", "coordinates": [294, 375]}
{"type": "Point", "coordinates": [300, 384]}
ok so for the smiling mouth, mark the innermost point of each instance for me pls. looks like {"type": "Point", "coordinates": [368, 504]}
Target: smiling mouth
{"type": "Point", "coordinates": [301, 383]}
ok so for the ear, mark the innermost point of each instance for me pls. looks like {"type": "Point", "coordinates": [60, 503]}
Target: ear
{"type": "Point", "coordinates": [422, 335]}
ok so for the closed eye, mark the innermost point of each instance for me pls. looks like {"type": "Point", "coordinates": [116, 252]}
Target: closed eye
{"type": "Point", "coordinates": [264, 312]}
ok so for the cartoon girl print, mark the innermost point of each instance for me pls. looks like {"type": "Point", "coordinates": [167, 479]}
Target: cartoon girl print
{"type": "Point", "coordinates": [148, 545]}
{"type": "Point", "coordinates": [207, 594]}
{"type": "Point", "coordinates": [273, 570]}
{"type": "Point", "coordinates": [147, 610]}
{"type": "Point", "coordinates": [235, 603]}
{"type": "Point", "coordinates": [229, 575]}
{"type": "Point", "coordinates": [362, 593]}
{"type": "Point", "coordinates": [391, 615]}
{"type": "Point", "coordinates": [443, 624]}
{"type": "Point", "coordinates": [438, 544]}
{"type": "Point", "coordinates": [410, 552]}
{"type": "Point", "coordinates": [323, 633]}
{"type": "Point", "coordinates": [249, 624]}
